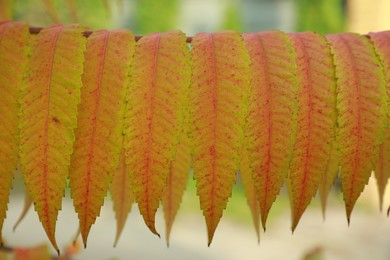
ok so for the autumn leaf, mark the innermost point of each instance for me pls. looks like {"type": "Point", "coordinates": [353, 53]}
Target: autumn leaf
{"type": "Point", "coordinates": [362, 108]}
{"type": "Point", "coordinates": [100, 121]}
{"type": "Point", "coordinates": [316, 119]}
{"type": "Point", "coordinates": [154, 119]}
{"type": "Point", "coordinates": [381, 43]}
{"type": "Point", "coordinates": [122, 195]}
{"type": "Point", "coordinates": [48, 116]}
{"type": "Point", "coordinates": [218, 106]}
{"type": "Point", "coordinates": [271, 128]}
{"type": "Point", "coordinates": [14, 47]}
{"type": "Point", "coordinates": [250, 191]}
{"type": "Point", "coordinates": [176, 184]}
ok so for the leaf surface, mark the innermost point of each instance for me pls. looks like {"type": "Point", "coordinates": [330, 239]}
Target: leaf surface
{"type": "Point", "coordinates": [381, 43]}
{"type": "Point", "coordinates": [219, 100]}
{"type": "Point", "coordinates": [332, 169]}
{"type": "Point", "coordinates": [271, 128]}
{"type": "Point", "coordinates": [316, 119]}
{"type": "Point", "coordinates": [362, 108]}
{"type": "Point", "coordinates": [48, 116]}
{"type": "Point", "coordinates": [14, 47]}
{"type": "Point", "coordinates": [122, 195]}
{"type": "Point", "coordinates": [100, 122]}
{"type": "Point", "coordinates": [154, 118]}
{"type": "Point", "coordinates": [250, 192]}
{"type": "Point", "coordinates": [176, 183]}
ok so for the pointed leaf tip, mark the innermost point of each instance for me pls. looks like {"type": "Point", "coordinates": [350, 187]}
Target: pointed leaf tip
{"type": "Point", "coordinates": [270, 98]}
{"type": "Point", "coordinates": [159, 81]}
{"type": "Point", "coordinates": [46, 137]}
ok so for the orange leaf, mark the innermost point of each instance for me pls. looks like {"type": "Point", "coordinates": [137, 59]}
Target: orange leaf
{"type": "Point", "coordinates": [48, 116]}
{"type": "Point", "coordinates": [100, 121]}
{"type": "Point", "coordinates": [381, 43]}
{"type": "Point", "coordinates": [14, 45]}
{"type": "Point", "coordinates": [160, 77]}
{"type": "Point", "coordinates": [27, 205]}
{"type": "Point", "coordinates": [122, 195]}
{"type": "Point", "coordinates": [271, 128]}
{"type": "Point", "coordinates": [316, 119]}
{"type": "Point", "coordinates": [176, 184]}
{"type": "Point", "coordinates": [219, 99]}
{"type": "Point", "coordinates": [362, 108]}
{"type": "Point", "coordinates": [40, 252]}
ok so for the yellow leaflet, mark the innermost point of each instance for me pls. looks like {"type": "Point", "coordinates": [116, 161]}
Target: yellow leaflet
{"type": "Point", "coordinates": [362, 109]}
{"type": "Point", "coordinates": [218, 106]}
{"type": "Point", "coordinates": [159, 83]}
{"type": "Point", "coordinates": [176, 184]}
{"type": "Point", "coordinates": [49, 99]}
{"type": "Point", "coordinates": [14, 46]}
{"type": "Point", "coordinates": [316, 119]}
{"type": "Point", "coordinates": [271, 124]}
{"type": "Point", "coordinates": [250, 191]}
{"type": "Point", "coordinates": [100, 121]}
{"type": "Point", "coordinates": [381, 43]}
{"type": "Point", "coordinates": [122, 195]}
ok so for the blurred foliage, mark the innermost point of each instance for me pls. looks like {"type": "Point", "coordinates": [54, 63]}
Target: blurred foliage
{"type": "Point", "coordinates": [232, 19]}
{"type": "Point", "coordinates": [91, 13]}
{"type": "Point", "coordinates": [322, 16]}
{"type": "Point", "coordinates": [155, 16]}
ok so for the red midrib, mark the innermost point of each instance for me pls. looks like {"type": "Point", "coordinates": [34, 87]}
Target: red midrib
{"type": "Point", "coordinates": [267, 97]}
{"type": "Point", "coordinates": [94, 124]}
{"type": "Point", "coordinates": [46, 132]}
{"type": "Point", "coordinates": [355, 83]}
{"type": "Point", "coordinates": [150, 125]}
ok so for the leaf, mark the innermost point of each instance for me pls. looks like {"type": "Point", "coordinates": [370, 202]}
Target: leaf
{"type": "Point", "coordinates": [154, 118]}
{"type": "Point", "coordinates": [362, 108]}
{"type": "Point", "coordinates": [250, 192]}
{"type": "Point", "coordinates": [51, 10]}
{"type": "Point", "coordinates": [271, 128]}
{"type": "Point", "coordinates": [122, 195]}
{"type": "Point", "coordinates": [14, 46]}
{"type": "Point", "coordinates": [48, 116]}
{"type": "Point", "coordinates": [381, 43]}
{"type": "Point", "coordinates": [219, 99]}
{"type": "Point", "coordinates": [176, 183]}
{"type": "Point", "coordinates": [316, 119]}
{"type": "Point", "coordinates": [100, 121]}
{"type": "Point", "coordinates": [40, 252]}
{"type": "Point", "coordinates": [27, 205]}
{"type": "Point", "coordinates": [330, 174]}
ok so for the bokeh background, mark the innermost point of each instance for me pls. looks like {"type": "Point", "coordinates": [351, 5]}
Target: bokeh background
{"type": "Point", "coordinates": [366, 238]}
